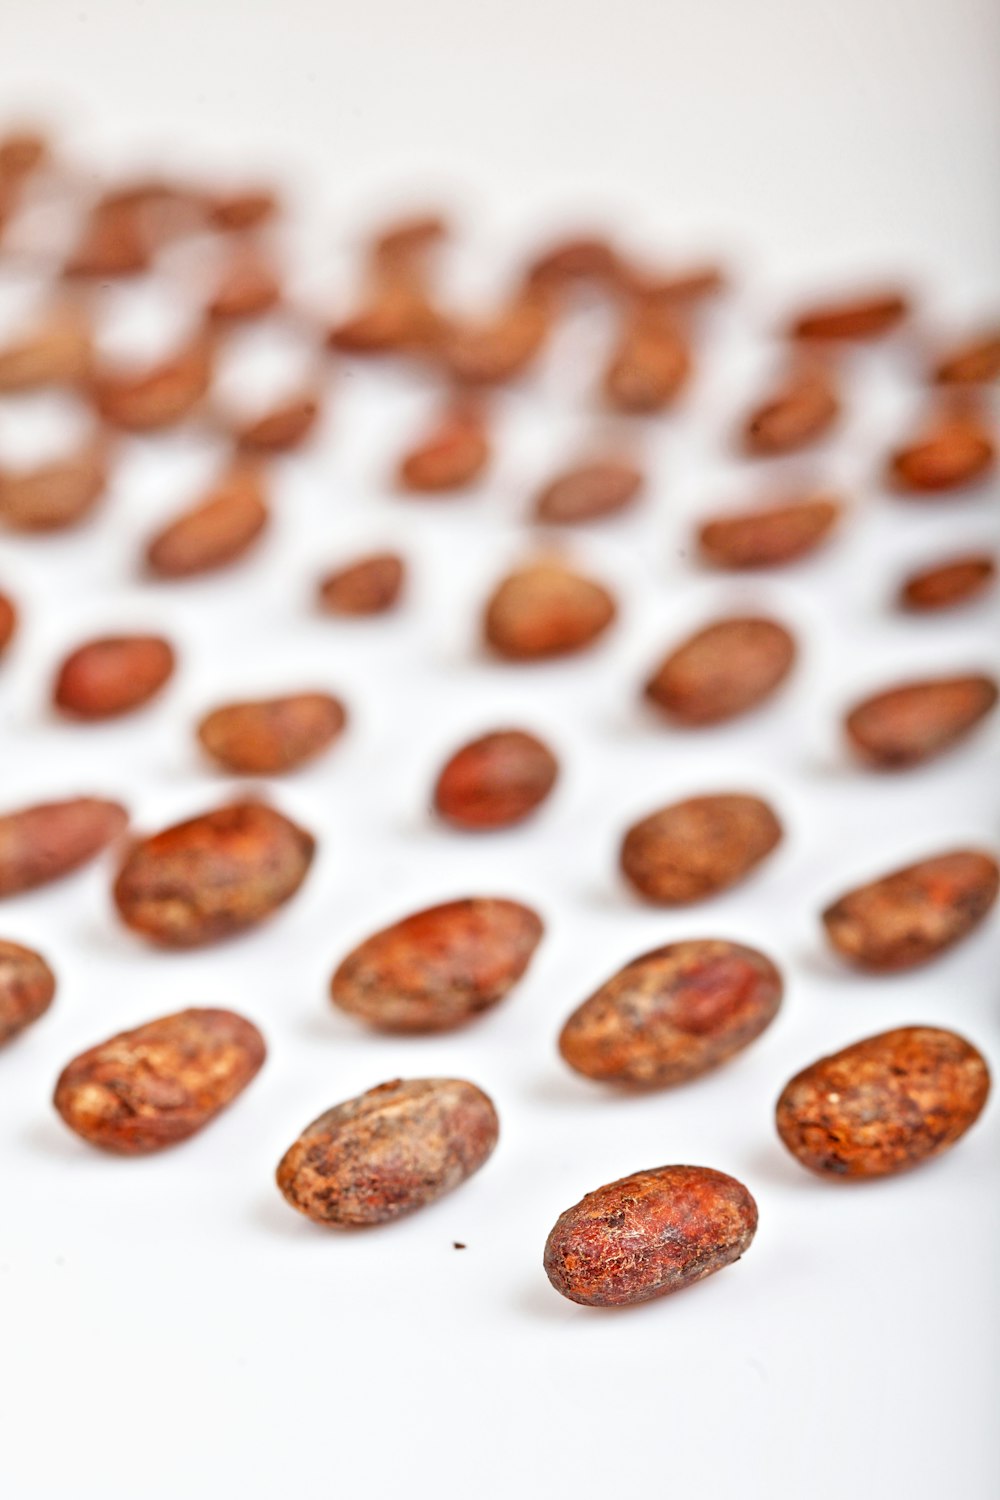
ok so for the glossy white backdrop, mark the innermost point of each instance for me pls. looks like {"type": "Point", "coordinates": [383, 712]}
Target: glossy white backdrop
{"type": "Point", "coordinates": [169, 1326]}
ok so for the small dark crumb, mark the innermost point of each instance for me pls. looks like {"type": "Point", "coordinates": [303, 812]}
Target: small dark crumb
{"type": "Point", "coordinates": [457, 1245]}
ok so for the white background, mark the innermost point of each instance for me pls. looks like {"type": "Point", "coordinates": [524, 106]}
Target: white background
{"type": "Point", "coordinates": [169, 1326]}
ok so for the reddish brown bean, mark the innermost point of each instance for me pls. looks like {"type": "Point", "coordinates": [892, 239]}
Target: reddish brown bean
{"type": "Point", "coordinates": [906, 725]}
{"type": "Point", "coordinates": [453, 454]}
{"type": "Point", "coordinates": [801, 410]}
{"type": "Point", "coordinates": [243, 208]}
{"type": "Point", "coordinates": [673, 1014]}
{"type": "Point", "coordinates": [649, 1234]}
{"type": "Point", "coordinates": [974, 362]}
{"type": "Point", "coordinates": [157, 397]}
{"type": "Point", "coordinates": [284, 427]}
{"type": "Point", "coordinates": [55, 495]}
{"type": "Point", "coordinates": [498, 349]}
{"type": "Point", "coordinates": [8, 622]}
{"type": "Point", "coordinates": [397, 318]}
{"type": "Point", "coordinates": [885, 1104]}
{"type": "Point", "coordinates": [438, 968]}
{"type": "Point", "coordinates": [673, 289]}
{"type": "Point", "coordinates": [947, 585]}
{"type": "Point", "coordinates": [651, 364]}
{"type": "Point", "coordinates": [394, 1149]}
{"type": "Point", "coordinates": [770, 537]}
{"type": "Point", "coordinates": [722, 670]}
{"type": "Point", "coordinates": [868, 316]}
{"type": "Point", "coordinates": [406, 242]}
{"type": "Point", "coordinates": [248, 287]}
{"type": "Point", "coordinates": [272, 735]}
{"type": "Point", "coordinates": [152, 1087]}
{"type": "Point", "coordinates": [546, 610]}
{"type": "Point", "coordinates": [51, 839]}
{"type": "Point", "coordinates": [27, 986]}
{"type": "Point", "coordinates": [369, 586]}
{"type": "Point", "coordinates": [114, 241]}
{"type": "Point", "coordinates": [589, 492]}
{"type": "Point", "coordinates": [219, 530]}
{"type": "Point", "coordinates": [213, 875]}
{"type": "Point", "coordinates": [22, 152]}
{"type": "Point", "coordinates": [114, 675]}
{"type": "Point", "coordinates": [579, 258]}
{"type": "Point", "coordinates": [57, 352]}
{"type": "Point", "coordinates": [955, 448]}
{"type": "Point", "coordinates": [912, 915]}
{"type": "Point", "coordinates": [698, 847]}
{"type": "Point", "coordinates": [495, 781]}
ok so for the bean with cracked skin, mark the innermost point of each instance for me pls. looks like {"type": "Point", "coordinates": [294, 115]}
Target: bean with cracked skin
{"type": "Point", "coordinates": [885, 1104]}
{"type": "Point", "coordinates": [160, 1083]}
{"type": "Point", "coordinates": [673, 1014]}
{"type": "Point", "coordinates": [389, 1152]}
{"type": "Point", "coordinates": [439, 967]}
{"type": "Point", "coordinates": [213, 875]}
{"type": "Point", "coordinates": [649, 1234]}
{"type": "Point", "coordinates": [911, 915]}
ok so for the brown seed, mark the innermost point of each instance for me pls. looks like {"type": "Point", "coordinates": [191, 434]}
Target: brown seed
{"type": "Point", "coordinates": [578, 259]}
{"type": "Point", "coordinates": [452, 455]}
{"type": "Point", "coordinates": [976, 362]}
{"type": "Point", "coordinates": [915, 721]}
{"type": "Point", "coordinates": [674, 288]}
{"type": "Point", "coordinates": [8, 622]}
{"type": "Point", "coordinates": [546, 610]}
{"type": "Point", "coordinates": [112, 676]}
{"type": "Point", "coordinates": [650, 366]}
{"type": "Point", "coordinates": [244, 209]}
{"type": "Point", "coordinates": [769, 537]}
{"type": "Point", "coordinates": [501, 348]}
{"type": "Point", "coordinates": [161, 1083]}
{"type": "Point", "coordinates": [283, 428]}
{"type": "Point", "coordinates": [369, 586]}
{"type": "Point", "coordinates": [438, 968]}
{"type": "Point", "coordinates": [56, 352]}
{"type": "Point", "coordinates": [45, 842]}
{"type": "Point", "coordinates": [397, 318]}
{"type": "Point", "coordinates": [390, 1151]}
{"type": "Point", "coordinates": [23, 152]}
{"type": "Point", "coordinates": [248, 287]}
{"type": "Point", "coordinates": [696, 848]}
{"type": "Point", "coordinates": [673, 1014]}
{"type": "Point", "coordinates": [885, 1104]}
{"type": "Point", "coordinates": [721, 671]}
{"type": "Point", "coordinates": [912, 915]}
{"type": "Point", "coordinates": [272, 735]}
{"type": "Point", "coordinates": [863, 317]}
{"type": "Point", "coordinates": [157, 397]}
{"type": "Point", "coordinates": [163, 211]}
{"type": "Point", "coordinates": [219, 530]}
{"type": "Point", "coordinates": [496, 780]}
{"type": "Point", "coordinates": [589, 492]}
{"type": "Point", "coordinates": [114, 241]}
{"type": "Point", "coordinates": [948, 584]}
{"type": "Point", "coordinates": [955, 448]}
{"type": "Point", "coordinates": [213, 875]}
{"type": "Point", "coordinates": [801, 410]}
{"type": "Point", "coordinates": [56, 495]}
{"type": "Point", "coordinates": [649, 1234]}
{"type": "Point", "coordinates": [27, 986]}
{"type": "Point", "coordinates": [409, 240]}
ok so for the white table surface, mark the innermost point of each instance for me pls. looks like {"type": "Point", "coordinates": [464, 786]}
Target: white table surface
{"type": "Point", "coordinates": [168, 1326]}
